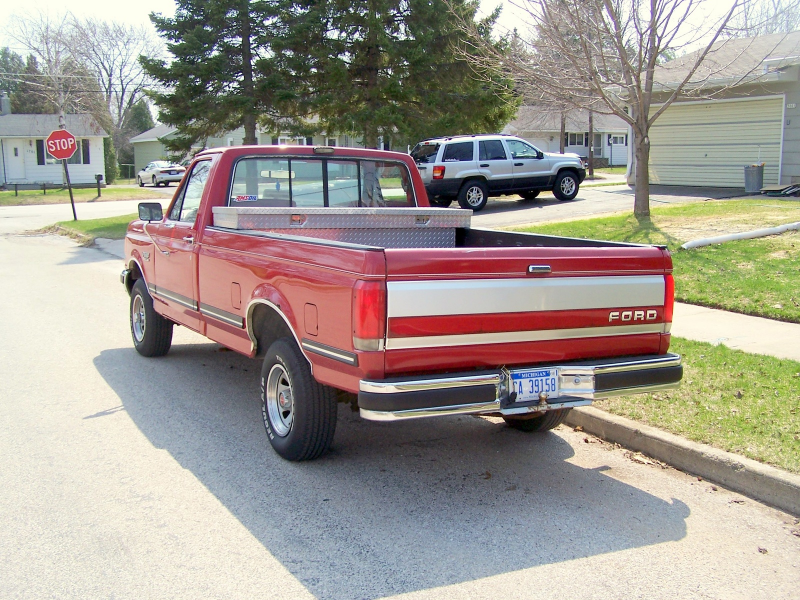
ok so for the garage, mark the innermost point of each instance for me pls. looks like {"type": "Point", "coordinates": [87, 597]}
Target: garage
{"type": "Point", "coordinates": [708, 143]}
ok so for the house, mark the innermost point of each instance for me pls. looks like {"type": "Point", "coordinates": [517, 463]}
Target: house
{"type": "Point", "coordinates": [746, 113]}
{"type": "Point", "coordinates": [542, 128]}
{"type": "Point", "coordinates": [24, 161]}
{"type": "Point", "coordinates": [149, 146]}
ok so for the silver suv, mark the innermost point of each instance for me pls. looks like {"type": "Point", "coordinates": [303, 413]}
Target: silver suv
{"type": "Point", "coordinates": [471, 168]}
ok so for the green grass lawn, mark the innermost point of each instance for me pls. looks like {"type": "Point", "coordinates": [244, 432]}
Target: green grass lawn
{"type": "Point", "coordinates": [61, 196]}
{"type": "Point", "coordinates": [756, 277]}
{"type": "Point", "coordinates": [743, 403]}
{"type": "Point", "coordinates": [113, 228]}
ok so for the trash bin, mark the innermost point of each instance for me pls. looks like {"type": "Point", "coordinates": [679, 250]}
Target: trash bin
{"type": "Point", "coordinates": [753, 178]}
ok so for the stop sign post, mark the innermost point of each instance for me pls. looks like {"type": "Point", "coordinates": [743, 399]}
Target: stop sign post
{"type": "Point", "coordinates": [61, 144]}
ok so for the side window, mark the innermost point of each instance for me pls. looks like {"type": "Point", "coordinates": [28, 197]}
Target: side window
{"type": "Point", "coordinates": [185, 208]}
{"type": "Point", "coordinates": [460, 151]}
{"type": "Point", "coordinates": [492, 150]}
{"type": "Point", "coordinates": [520, 149]}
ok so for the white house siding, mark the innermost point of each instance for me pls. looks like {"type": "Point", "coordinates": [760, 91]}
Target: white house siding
{"type": "Point", "coordinates": [35, 173]}
{"type": "Point", "coordinates": [709, 143]}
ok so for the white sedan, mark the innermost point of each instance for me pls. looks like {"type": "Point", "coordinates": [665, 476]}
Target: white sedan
{"type": "Point", "coordinates": [160, 172]}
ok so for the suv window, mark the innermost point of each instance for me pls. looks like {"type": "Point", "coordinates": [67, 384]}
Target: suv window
{"type": "Point", "coordinates": [520, 149]}
{"type": "Point", "coordinates": [492, 150]}
{"type": "Point", "coordinates": [423, 153]}
{"type": "Point", "coordinates": [460, 151]}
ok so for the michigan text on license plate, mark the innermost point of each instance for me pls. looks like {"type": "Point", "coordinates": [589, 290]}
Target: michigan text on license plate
{"type": "Point", "coordinates": [529, 384]}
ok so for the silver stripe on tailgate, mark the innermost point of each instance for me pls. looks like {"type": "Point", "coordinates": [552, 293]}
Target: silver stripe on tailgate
{"type": "Point", "coordinates": [487, 296]}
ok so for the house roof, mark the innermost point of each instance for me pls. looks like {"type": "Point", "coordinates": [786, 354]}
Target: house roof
{"type": "Point", "coordinates": [154, 134]}
{"type": "Point", "coordinates": [79, 125]}
{"type": "Point", "coordinates": [534, 118]}
{"type": "Point", "coordinates": [730, 60]}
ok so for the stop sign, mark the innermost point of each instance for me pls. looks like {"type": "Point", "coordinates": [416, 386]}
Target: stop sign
{"type": "Point", "coordinates": [61, 144]}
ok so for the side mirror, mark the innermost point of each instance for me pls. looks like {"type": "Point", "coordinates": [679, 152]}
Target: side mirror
{"type": "Point", "coordinates": [539, 154]}
{"type": "Point", "coordinates": [150, 211]}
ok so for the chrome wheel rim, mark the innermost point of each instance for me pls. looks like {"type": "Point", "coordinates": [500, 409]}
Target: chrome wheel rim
{"type": "Point", "coordinates": [138, 318]}
{"type": "Point", "coordinates": [567, 186]}
{"type": "Point", "coordinates": [474, 196]}
{"type": "Point", "coordinates": [280, 403]}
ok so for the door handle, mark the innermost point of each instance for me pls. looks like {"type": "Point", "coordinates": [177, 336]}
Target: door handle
{"type": "Point", "coordinates": [519, 164]}
{"type": "Point", "coordinates": [189, 239]}
{"type": "Point", "coordinates": [484, 165]}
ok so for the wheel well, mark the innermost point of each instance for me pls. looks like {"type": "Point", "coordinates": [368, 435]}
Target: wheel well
{"type": "Point", "coordinates": [266, 326]}
{"type": "Point", "coordinates": [570, 169]}
{"type": "Point", "coordinates": [469, 180]}
{"type": "Point", "coordinates": [135, 273]}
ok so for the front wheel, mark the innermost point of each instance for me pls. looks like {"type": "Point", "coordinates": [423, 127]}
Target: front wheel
{"type": "Point", "coordinates": [473, 195]}
{"type": "Point", "coordinates": [544, 422]}
{"type": "Point", "coordinates": [152, 333]}
{"type": "Point", "coordinates": [299, 414]}
{"type": "Point", "coordinates": [139, 181]}
{"type": "Point", "coordinates": [566, 186]}
{"type": "Point", "coordinates": [155, 182]}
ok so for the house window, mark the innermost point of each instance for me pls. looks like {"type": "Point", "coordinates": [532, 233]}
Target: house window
{"type": "Point", "coordinates": [42, 157]}
{"type": "Point", "coordinates": [618, 140]}
{"type": "Point", "coordinates": [81, 156]}
{"type": "Point", "coordinates": [331, 142]}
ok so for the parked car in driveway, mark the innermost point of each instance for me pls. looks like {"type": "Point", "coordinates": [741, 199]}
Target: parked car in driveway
{"type": "Point", "coordinates": [471, 168]}
{"type": "Point", "coordinates": [160, 172]}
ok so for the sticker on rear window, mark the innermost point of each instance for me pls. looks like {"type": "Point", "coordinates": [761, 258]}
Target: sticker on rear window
{"type": "Point", "coordinates": [245, 198]}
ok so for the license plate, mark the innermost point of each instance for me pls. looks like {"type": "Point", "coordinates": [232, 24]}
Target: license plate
{"type": "Point", "coordinates": [529, 384]}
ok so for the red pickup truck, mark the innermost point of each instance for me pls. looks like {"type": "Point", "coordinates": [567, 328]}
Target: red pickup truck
{"type": "Point", "coordinates": [331, 264]}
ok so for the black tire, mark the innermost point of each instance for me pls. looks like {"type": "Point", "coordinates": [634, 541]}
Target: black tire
{"type": "Point", "coordinates": [151, 333]}
{"type": "Point", "coordinates": [473, 195]}
{"type": "Point", "coordinates": [155, 183]}
{"type": "Point", "coordinates": [299, 414]}
{"type": "Point", "coordinates": [139, 181]}
{"type": "Point", "coordinates": [166, 184]}
{"type": "Point", "coordinates": [440, 202]}
{"type": "Point", "coordinates": [566, 186]}
{"type": "Point", "coordinates": [545, 422]}
{"type": "Point", "coordinates": [529, 195]}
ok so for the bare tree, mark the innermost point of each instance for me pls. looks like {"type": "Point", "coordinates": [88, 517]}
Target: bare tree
{"type": "Point", "coordinates": [762, 17]}
{"type": "Point", "coordinates": [604, 54]}
{"type": "Point", "coordinates": [111, 51]}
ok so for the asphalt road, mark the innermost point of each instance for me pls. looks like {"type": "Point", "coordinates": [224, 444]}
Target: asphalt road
{"type": "Point", "coordinates": [126, 477]}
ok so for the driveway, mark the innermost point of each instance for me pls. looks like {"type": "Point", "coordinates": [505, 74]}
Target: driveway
{"type": "Point", "coordinates": [591, 201]}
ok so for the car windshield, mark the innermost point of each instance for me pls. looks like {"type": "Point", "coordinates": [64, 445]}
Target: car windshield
{"type": "Point", "coordinates": [422, 153]}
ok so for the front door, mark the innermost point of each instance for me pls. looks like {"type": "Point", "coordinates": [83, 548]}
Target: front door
{"type": "Point", "coordinates": [16, 162]}
{"type": "Point", "coordinates": [531, 169]}
{"type": "Point", "coordinates": [176, 263]}
{"type": "Point", "coordinates": [495, 165]}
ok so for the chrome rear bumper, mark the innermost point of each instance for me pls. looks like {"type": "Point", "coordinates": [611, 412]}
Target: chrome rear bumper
{"type": "Point", "coordinates": [489, 392]}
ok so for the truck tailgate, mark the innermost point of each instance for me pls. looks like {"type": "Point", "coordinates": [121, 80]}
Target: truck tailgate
{"type": "Point", "coordinates": [473, 308]}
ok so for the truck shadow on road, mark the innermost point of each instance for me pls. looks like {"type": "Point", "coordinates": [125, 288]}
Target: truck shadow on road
{"type": "Point", "coordinates": [394, 508]}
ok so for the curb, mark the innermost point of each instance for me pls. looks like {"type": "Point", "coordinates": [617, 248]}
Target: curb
{"type": "Point", "coordinates": [753, 479]}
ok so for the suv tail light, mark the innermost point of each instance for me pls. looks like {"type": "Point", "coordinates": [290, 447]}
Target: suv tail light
{"type": "Point", "coordinates": [669, 298]}
{"type": "Point", "coordinates": [369, 315]}
{"type": "Point", "coordinates": [438, 172]}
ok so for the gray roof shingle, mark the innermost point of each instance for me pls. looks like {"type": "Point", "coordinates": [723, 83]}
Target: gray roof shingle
{"type": "Point", "coordinates": [79, 125]}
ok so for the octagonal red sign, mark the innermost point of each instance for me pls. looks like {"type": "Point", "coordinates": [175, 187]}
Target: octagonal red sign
{"type": "Point", "coordinates": [61, 144]}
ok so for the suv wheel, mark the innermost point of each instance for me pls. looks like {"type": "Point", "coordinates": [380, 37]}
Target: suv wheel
{"type": "Point", "coordinates": [473, 195]}
{"type": "Point", "coordinates": [566, 187]}
{"type": "Point", "coordinates": [529, 195]}
{"type": "Point", "coordinates": [440, 202]}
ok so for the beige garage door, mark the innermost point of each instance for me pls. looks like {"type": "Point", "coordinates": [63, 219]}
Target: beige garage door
{"type": "Point", "coordinates": [709, 143]}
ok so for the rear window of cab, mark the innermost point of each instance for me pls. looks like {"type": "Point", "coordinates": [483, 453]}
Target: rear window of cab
{"type": "Point", "coordinates": [271, 181]}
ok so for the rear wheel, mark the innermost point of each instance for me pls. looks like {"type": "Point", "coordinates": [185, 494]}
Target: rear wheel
{"type": "Point", "coordinates": [529, 195]}
{"type": "Point", "coordinates": [543, 422]}
{"type": "Point", "coordinates": [152, 333]}
{"type": "Point", "coordinates": [473, 195]}
{"type": "Point", "coordinates": [299, 414]}
{"type": "Point", "coordinates": [566, 186]}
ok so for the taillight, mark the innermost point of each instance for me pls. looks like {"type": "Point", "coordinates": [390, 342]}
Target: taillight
{"type": "Point", "coordinates": [669, 297]}
{"type": "Point", "coordinates": [438, 172]}
{"type": "Point", "coordinates": [369, 315]}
